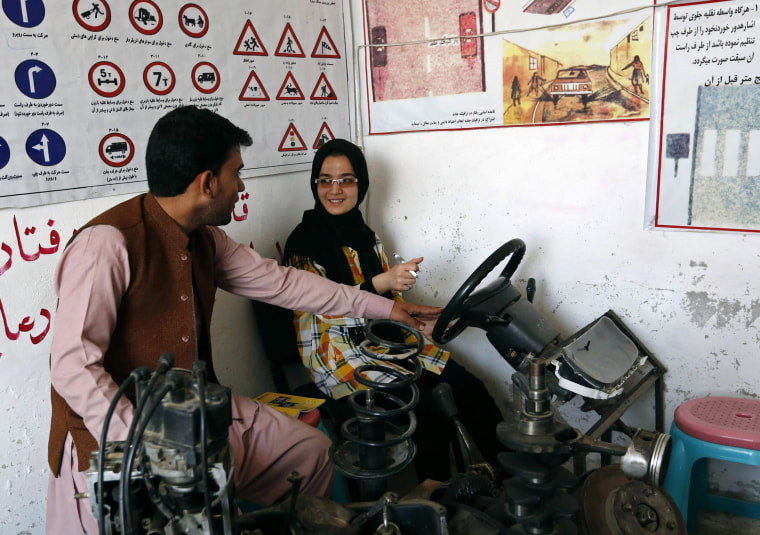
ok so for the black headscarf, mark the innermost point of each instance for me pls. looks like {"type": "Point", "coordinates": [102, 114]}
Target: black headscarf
{"type": "Point", "coordinates": [320, 236]}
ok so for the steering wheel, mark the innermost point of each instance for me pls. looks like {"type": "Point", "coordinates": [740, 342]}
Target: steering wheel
{"type": "Point", "coordinates": [449, 324]}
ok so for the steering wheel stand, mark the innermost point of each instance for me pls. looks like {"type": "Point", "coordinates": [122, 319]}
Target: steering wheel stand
{"type": "Point", "coordinates": [538, 495]}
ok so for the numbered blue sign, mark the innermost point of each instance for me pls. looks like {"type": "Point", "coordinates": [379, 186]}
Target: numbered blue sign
{"type": "Point", "coordinates": [35, 79]}
{"type": "Point", "coordinates": [24, 13]}
{"type": "Point", "coordinates": [45, 147]}
{"type": "Point", "coordinates": [5, 153]}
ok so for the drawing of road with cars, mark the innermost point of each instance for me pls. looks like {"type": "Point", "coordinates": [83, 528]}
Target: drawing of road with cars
{"type": "Point", "coordinates": [473, 64]}
{"type": "Point", "coordinates": [595, 71]}
{"type": "Point", "coordinates": [447, 65]}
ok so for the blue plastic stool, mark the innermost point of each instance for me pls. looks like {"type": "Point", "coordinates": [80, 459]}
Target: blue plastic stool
{"type": "Point", "coordinates": [726, 429]}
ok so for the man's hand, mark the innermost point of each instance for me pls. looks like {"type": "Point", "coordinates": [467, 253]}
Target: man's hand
{"type": "Point", "coordinates": [420, 317]}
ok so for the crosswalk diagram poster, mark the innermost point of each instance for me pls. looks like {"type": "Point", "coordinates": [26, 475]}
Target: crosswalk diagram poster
{"type": "Point", "coordinates": [459, 64]}
{"type": "Point", "coordinates": [86, 80]}
{"type": "Point", "coordinates": [704, 156]}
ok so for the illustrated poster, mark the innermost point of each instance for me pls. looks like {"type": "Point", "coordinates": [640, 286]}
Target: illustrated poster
{"type": "Point", "coordinates": [488, 63]}
{"type": "Point", "coordinates": [704, 162]}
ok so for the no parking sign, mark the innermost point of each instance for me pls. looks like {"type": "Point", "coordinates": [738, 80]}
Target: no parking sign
{"type": "Point", "coordinates": [491, 5]}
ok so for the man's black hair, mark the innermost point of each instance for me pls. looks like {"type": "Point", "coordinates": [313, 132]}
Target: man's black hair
{"type": "Point", "coordinates": [185, 142]}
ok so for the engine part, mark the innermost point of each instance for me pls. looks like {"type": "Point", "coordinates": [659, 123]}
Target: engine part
{"type": "Point", "coordinates": [320, 516]}
{"type": "Point", "coordinates": [371, 448]}
{"type": "Point", "coordinates": [467, 455]}
{"type": "Point", "coordinates": [183, 477]}
{"type": "Point", "coordinates": [613, 504]}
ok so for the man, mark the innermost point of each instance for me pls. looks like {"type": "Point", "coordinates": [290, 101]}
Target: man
{"type": "Point", "coordinates": [139, 280]}
{"type": "Point", "coordinates": [535, 84]}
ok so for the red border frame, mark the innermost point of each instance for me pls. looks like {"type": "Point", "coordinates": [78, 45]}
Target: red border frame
{"type": "Point", "coordinates": [96, 89]}
{"type": "Point", "coordinates": [662, 120]}
{"type": "Point", "coordinates": [150, 87]}
{"type": "Point", "coordinates": [195, 81]}
{"type": "Point", "coordinates": [86, 26]}
{"type": "Point", "coordinates": [282, 38]}
{"type": "Point", "coordinates": [184, 29]}
{"type": "Point", "coordinates": [109, 162]}
{"type": "Point", "coordinates": [159, 22]}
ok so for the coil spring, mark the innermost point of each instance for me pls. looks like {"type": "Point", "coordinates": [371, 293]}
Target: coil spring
{"type": "Point", "coordinates": [371, 447]}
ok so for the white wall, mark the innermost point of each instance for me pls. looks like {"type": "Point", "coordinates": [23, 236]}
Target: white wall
{"type": "Point", "coordinates": [575, 194]}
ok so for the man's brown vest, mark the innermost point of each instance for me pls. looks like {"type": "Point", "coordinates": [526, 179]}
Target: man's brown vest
{"type": "Point", "coordinates": [156, 314]}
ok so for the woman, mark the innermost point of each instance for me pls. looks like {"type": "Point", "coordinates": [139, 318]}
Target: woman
{"type": "Point", "coordinates": [516, 92]}
{"type": "Point", "coordinates": [333, 241]}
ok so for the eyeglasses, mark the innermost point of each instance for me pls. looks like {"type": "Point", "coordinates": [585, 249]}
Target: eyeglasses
{"type": "Point", "coordinates": [345, 181]}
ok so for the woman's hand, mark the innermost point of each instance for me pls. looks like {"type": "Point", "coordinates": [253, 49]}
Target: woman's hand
{"type": "Point", "coordinates": [398, 278]}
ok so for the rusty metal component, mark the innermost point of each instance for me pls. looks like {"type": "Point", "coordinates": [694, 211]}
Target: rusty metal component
{"type": "Point", "coordinates": [612, 504]}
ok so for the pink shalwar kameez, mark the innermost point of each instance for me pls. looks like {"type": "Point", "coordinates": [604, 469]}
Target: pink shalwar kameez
{"type": "Point", "coordinates": [92, 277]}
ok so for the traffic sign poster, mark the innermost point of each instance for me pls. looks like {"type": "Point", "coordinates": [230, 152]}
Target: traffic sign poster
{"type": "Point", "coordinates": [466, 64]}
{"type": "Point", "coordinates": [88, 78]}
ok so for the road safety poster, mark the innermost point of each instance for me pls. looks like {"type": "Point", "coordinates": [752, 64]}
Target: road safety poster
{"type": "Point", "coordinates": [433, 64]}
{"type": "Point", "coordinates": [86, 80]}
{"type": "Point", "coordinates": [704, 158]}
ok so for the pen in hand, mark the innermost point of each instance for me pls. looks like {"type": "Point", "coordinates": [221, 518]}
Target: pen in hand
{"type": "Point", "coordinates": [401, 260]}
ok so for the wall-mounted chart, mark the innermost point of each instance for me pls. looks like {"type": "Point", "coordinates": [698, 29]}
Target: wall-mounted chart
{"type": "Point", "coordinates": [704, 156]}
{"type": "Point", "coordinates": [88, 79]}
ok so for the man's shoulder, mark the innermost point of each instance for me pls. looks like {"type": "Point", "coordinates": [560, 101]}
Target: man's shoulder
{"type": "Point", "coordinates": [122, 216]}
{"type": "Point", "coordinates": [118, 218]}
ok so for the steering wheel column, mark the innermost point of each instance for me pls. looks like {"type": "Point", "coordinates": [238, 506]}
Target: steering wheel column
{"type": "Point", "coordinates": [512, 325]}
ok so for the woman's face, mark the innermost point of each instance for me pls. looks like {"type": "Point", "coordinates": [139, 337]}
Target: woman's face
{"type": "Point", "coordinates": [337, 199]}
